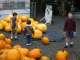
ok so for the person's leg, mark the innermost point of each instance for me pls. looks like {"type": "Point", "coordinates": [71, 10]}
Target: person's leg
{"type": "Point", "coordinates": [29, 40]}
{"type": "Point", "coordinates": [72, 39]}
{"type": "Point", "coordinates": [67, 40]}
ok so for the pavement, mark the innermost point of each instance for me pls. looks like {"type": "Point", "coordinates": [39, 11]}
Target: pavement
{"type": "Point", "coordinates": [55, 32]}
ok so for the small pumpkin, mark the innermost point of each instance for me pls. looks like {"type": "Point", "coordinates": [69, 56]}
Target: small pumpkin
{"type": "Point", "coordinates": [45, 40]}
{"type": "Point", "coordinates": [45, 58]}
{"type": "Point", "coordinates": [62, 55]}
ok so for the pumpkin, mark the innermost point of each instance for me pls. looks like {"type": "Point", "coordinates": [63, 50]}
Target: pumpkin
{"type": "Point", "coordinates": [8, 40]}
{"type": "Point", "coordinates": [13, 54]}
{"type": "Point", "coordinates": [45, 40]}
{"type": "Point", "coordinates": [25, 58]}
{"type": "Point", "coordinates": [24, 51]}
{"type": "Point", "coordinates": [2, 44]}
{"type": "Point", "coordinates": [1, 26]}
{"type": "Point", "coordinates": [8, 28]}
{"type": "Point", "coordinates": [3, 54]}
{"type": "Point", "coordinates": [19, 29]}
{"type": "Point", "coordinates": [42, 27]}
{"type": "Point", "coordinates": [4, 23]}
{"type": "Point", "coordinates": [2, 36]}
{"type": "Point", "coordinates": [62, 55]}
{"type": "Point", "coordinates": [35, 53]}
{"type": "Point", "coordinates": [24, 18]}
{"type": "Point", "coordinates": [23, 25]}
{"type": "Point", "coordinates": [34, 23]}
{"type": "Point", "coordinates": [8, 46]}
{"type": "Point", "coordinates": [45, 58]}
{"type": "Point", "coordinates": [17, 46]}
{"type": "Point", "coordinates": [37, 34]}
{"type": "Point", "coordinates": [8, 18]}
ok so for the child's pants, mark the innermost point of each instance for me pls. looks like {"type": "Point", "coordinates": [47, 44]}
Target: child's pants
{"type": "Point", "coordinates": [29, 38]}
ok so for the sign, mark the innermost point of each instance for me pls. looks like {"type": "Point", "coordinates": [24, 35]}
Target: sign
{"type": "Point", "coordinates": [48, 13]}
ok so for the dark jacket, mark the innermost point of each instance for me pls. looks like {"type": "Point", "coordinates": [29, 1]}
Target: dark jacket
{"type": "Point", "coordinates": [28, 30]}
{"type": "Point", "coordinates": [70, 25]}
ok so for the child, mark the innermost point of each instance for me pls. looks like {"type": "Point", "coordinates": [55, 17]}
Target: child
{"type": "Point", "coordinates": [13, 23]}
{"type": "Point", "coordinates": [28, 32]}
{"type": "Point", "coordinates": [69, 29]}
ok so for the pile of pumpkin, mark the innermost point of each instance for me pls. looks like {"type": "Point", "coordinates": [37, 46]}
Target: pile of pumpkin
{"type": "Point", "coordinates": [39, 28]}
{"type": "Point", "coordinates": [10, 52]}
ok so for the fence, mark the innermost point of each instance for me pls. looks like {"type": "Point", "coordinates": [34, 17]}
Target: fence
{"type": "Point", "coordinates": [7, 7]}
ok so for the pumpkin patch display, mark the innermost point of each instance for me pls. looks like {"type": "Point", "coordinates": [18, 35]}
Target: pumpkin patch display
{"type": "Point", "coordinates": [2, 36]}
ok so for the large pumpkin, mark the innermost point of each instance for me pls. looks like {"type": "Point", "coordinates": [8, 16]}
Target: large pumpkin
{"type": "Point", "coordinates": [23, 25]}
{"type": "Point", "coordinates": [24, 18]}
{"type": "Point", "coordinates": [2, 44]}
{"type": "Point", "coordinates": [3, 54]}
{"type": "Point", "coordinates": [37, 34]}
{"type": "Point", "coordinates": [25, 58]}
{"type": "Point", "coordinates": [35, 53]}
{"type": "Point", "coordinates": [45, 40]}
{"type": "Point", "coordinates": [4, 23]}
{"type": "Point", "coordinates": [17, 46]}
{"type": "Point", "coordinates": [8, 41]}
{"type": "Point", "coordinates": [8, 46]}
{"type": "Point", "coordinates": [45, 58]}
{"type": "Point", "coordinates": [18, 29]}
{"type": "Point", "coordinates": [42, 27]}
{"type": "Point", "coordinates": [2, 36]}
{"type": "Point", "coordinates": [13, 54]}
{"type": "Point", "coordinates": [24, 51]}
{"type": "Point", "coordinates": [8, 18]}
{"type": "Point", "coordinates": [8, 28]}
{"type": "Point", "coordinates": [1, 26]}
{"type": "Point", "coordinates": [62, 55]}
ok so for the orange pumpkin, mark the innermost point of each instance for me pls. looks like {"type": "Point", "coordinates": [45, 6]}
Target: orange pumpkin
{"type": "Point", "coordinates": [23, 25]}
{"type": "Point", "coordinates": [2, 44]}
{"type": "Point", "coordinates": [3, 54]}
{"type": "Point", "coordinates": [42, 27]}
{"type": "Point", "coordinates": [35, 53]}
{"type": "Point", "coordinates": [24, 18]}
{"type": "Point", "coordinates": [19, 29]}
{"type": "Point", "coordinates": [62, 55]}
{"type": "Point", "coordinates": [8, 28]}
{"type": "Point", "coordinates": [45, 58]}
{"type": "Point", "coordinates": [17, 46]}
{"type": "Point", "coordinates": [13, 54]}
{"type": "Point", "coordinates": [8, 40]}
{"type": "Point", "coordinates": [8, 46]}
{"type": "Point", "coordinates": [1, 26]}
{"type": "Point", "coordinates": [45, 40]}
{"type": "Point", "coordinates": [25, 58]}
{"type": "Point", "coordinates": [24, 51]}
{"type": "Point", "coordinates": [37, 34]}
{"type": "Point", "coordinates": [2, 36]}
